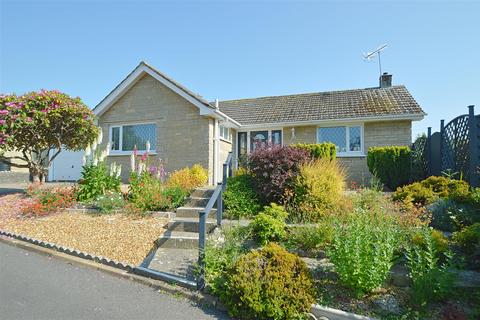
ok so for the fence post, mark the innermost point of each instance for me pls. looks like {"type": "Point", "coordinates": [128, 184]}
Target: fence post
{"type": "Point", "coordinates": [202, 231]}
{"type": "Point", "coordinates": [429, 152]}
{"type": "Point", "coordinates": [472, 147]}
{"type": "Point", "coordinates": [220, 206]}
{"type": "Point", "coordinates": [230, 164]}
{"type": "Point", "coordinates": [442, 133]}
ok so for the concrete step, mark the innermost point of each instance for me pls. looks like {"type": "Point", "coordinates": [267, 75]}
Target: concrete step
{"type": "Point", "coordinates": [203, 192]}
{"type": "Point", "coordinates": [192, 212]}
{"type": "Point", "coordinates": [178, 240]}
{"type": "Point", "coordinates": [197, 202]}
{"type": "Point", "coordinates": [189, 224]}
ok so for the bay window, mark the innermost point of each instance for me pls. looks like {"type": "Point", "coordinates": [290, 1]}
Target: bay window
{"type": "Point", "coordinates": [124, 138]}
{"type": "Point", "coordinates": [348, 139]}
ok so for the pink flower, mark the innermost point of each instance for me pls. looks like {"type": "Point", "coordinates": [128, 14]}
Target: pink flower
{"type": "Point", "coordinates": [3, 121]}
{"type": "Point", "coordinates": [3, 112]}
{"type": "Point", "coordinates": [144, 156]}
{"type": "Point", "coordinates": [29, 119]}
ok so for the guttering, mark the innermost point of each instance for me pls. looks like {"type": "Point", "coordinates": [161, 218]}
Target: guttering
{"type": "Point", "coordinates": [412, 117]}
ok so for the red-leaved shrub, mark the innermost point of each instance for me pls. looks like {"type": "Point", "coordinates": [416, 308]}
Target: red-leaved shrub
{"type": "Point", "coordinates": [273, 168]}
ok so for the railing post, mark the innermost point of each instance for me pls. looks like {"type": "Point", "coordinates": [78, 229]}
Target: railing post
{"type": "Point", "coordinates": [220, 207]}
{"type": "Point", "coordinates": [472, 147]}
{"type": "Point", "coordinates": [230, 164]}
{"type": "Point", "coordinates": [202, 231]}
{"type": "Point", "coordinates": [224, 181]}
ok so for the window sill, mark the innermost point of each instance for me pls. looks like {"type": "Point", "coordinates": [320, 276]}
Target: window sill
{"type": "Point", "coordinates": [129, 153]}
{"type": "Point", "coordinates": [351, 155]}
{"type": "Point", "coordinates": [225, 140]}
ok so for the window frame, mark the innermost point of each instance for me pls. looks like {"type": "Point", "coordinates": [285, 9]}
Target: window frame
{"type": "Point", "coordinates": [269, 130]}
{"type": "Point", "coordinates": [360, 153]}
{"type": "Point", "coordinates": [129, 152]}
{"type": "Point", "coordinates": [229, 132]}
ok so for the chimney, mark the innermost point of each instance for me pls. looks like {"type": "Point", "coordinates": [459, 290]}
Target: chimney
{"type": "Point", "coordinates": [385, 80]}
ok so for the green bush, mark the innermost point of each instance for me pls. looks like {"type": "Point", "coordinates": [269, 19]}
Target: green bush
{"type": "Point", "coordinates": [363, 249]}
{"type": "Point", "coordinates": [269, 283]}
{"type": "Point", "coordinates": [390, 164]}
{"type": "Point", "coordinates": [97, 180]}
{"type": "Point", "coordinates": [324, 150]}
{"type": "Point", "coordinates": [450, 215]}
{"type": "Point", "coordinates": [431, 280]}
{"type": "Point", "coordinates": [240, 198]}
{"type": "Point", "coordinates": [468, 238]}
{"type": "Point", "coordinates": [439, 240]}
{"type": "Point", "coordinates": [432, 188]}
{"type": "Point", "coordinates": [269, 225]}
{"type": "Point", "coordinates": [109, 201]}
{"type": "Point", "coordinates": [310, 238]}
{"type": "Point", "coordinates": [317, 190]}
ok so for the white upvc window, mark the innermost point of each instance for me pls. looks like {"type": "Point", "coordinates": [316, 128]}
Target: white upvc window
{"type": "Point", "coordinates": [225, 133]}
{"type": "Point", "coordinates": [124, 138]}
{"type": "Point", "coordinates": [248, 141]}
{"type": "Point", "coordinates": [347, 138]}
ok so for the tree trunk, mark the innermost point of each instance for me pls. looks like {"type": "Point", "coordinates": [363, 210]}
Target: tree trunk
{"type": "Point", "coordinates": [35, 174]}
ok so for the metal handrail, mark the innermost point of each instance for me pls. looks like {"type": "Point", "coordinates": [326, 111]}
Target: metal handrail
{"type": "Point", "coordinates": [216, 198]}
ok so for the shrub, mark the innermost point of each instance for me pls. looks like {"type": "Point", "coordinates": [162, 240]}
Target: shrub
{"type": "Point", "coordinates": [439, 241]}
{"type": "Point", "coordinates": [450, 215]}
{"type": "Point", "coordinates": [47, 200]}
{"type": "Point", "coordinates": [317, 189]}
{"type": "Point", "coordinates": [431, 280]}
{"type": "Point", "coordinates": [269, 283]}
{"type": "Point", "coordinates": [363, 249]}
{"type": "Point", "coordinates": [97, 180]}
{"type": "Point", "coordinates": [468, 238]}
{"type": "Point", "coordinates": [432, 188]}
{"type": "Point", "coordinates": [390, 164]}
{"type": "Point", "coordinates": [273, 169]}
{"type": "Point", "coordinates": [324, 150]}
{"type": "Point", "coordinates": [240, 198]}
{"type": "Point", "coordinates": [148, 193]}
{"type": "Point", "coordinates": [109, 201]}
{"type": "Point", "coordinates": [188, 178]}
{"type": "Point", "coordinates": [269, 225]}
{"type": "Point", "coordinates": [310, 238]}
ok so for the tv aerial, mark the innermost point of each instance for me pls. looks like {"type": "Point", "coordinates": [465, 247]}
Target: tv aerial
{"type": "Point", "coordinates": [370, 56]}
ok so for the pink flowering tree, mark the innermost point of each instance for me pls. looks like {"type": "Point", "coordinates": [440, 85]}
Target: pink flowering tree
{"type": "Point", "coordinates": [37, 126]}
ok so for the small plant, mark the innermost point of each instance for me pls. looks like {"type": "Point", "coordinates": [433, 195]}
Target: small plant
{"type": "Point", "coordinates": [188, 178]}
{"type": "Point", "coordinates": [317, 189]}
{"type": "Point", "coordinates": [269, 225]}
{"type": "Point", "coordinates": [440, 242]}
{"type": "Point", "coordinates": [390, 164]}
{"type": "Point", "coordinates": [431, 280]}
{"type": "Point", "coordinates": [468, 238]}
{"type": "Point", "coordinates": [310, 239]}
{"type": "Point", "coordinates": [47, 200]}
{"type": "Point", "coordinates": [363, 249]}
{"type": "Point", "coordinates": [269, 283]}
{"type": "Point", "coordinates": [240, 198]}
{"type": "Point", "coordinates": [450, 215]}
{"type": "Point", "coordinates": [109, 201]}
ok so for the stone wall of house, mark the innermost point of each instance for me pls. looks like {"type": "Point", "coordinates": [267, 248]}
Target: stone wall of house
{"type": "Point", "coordinates": [184, 137]}
{"type": "Point", "coordinates": [384, 133]}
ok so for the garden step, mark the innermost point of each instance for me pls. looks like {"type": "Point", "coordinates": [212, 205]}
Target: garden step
{"type": "Point", "coordinates": [189, 224]}
{"type": "Point", "coordinates": [197, 202]}
{"type": "Point", "coordinates": [203, 192]}
{"type": "Point", "coordinates": [178, 239]}
{"type": "Point", "coordinates": [192, 212]}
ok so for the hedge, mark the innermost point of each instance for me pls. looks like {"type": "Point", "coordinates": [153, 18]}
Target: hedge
{"type": "Point", "coordinates": [319, 150]}
{"type": "Point", "coordinates": [392, 165]}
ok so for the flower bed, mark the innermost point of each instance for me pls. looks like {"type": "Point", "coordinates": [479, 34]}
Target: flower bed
{"type": "Point", "coordinates": [118, 237]}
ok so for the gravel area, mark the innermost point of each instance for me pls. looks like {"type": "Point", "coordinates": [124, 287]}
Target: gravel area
{"type": "Point", "coordinates": [117, 236]}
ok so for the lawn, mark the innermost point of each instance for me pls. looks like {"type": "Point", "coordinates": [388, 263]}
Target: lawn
{"type": "Point", "coordinates": [120, 237]}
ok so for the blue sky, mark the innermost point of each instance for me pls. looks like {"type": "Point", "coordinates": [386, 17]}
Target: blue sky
{"type": "Point", "coordinates": [228, 49]}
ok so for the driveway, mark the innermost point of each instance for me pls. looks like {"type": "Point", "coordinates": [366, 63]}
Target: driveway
{"type": "Point", "coordinates": [34, 286]}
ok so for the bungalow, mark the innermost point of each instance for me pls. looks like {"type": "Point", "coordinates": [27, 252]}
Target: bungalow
{"type": "Point", "coordinates": [183, 128]}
